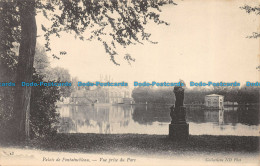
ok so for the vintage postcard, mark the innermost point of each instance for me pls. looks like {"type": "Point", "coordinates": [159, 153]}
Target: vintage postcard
{"type": "Point", "coordinates": [129, 82]}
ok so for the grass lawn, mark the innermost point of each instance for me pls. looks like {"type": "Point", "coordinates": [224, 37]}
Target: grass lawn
{"type": "Point", "coordinates": [142, 144]}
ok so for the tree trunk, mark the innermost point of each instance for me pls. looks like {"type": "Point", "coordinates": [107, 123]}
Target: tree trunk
{"type": "Point", "coordinates": [24, 69]}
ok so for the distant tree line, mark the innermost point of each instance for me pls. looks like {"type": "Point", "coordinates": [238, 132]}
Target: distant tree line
{"type": "Point", "coordinates": [151, 95]}
{"type": "Point", "coordinates": [242, 95]}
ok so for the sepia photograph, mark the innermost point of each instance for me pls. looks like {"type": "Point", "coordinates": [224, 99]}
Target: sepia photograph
{"type": "Point", "coordinates": [129, 82]}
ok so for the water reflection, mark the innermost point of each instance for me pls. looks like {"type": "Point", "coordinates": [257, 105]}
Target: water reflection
{"type": "Point", "coordinates": [154, 119]}
{"type": "Point", "coordinates": [101, 119]}
{"type": "Point", "coordinates": [150, 114]}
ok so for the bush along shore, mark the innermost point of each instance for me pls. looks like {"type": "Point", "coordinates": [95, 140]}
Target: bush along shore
{"type": "Point", "coordinates": [140, 144]}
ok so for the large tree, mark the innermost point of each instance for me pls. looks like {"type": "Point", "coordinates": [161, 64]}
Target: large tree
{"type": "Point", "coordinates": [121, 21]}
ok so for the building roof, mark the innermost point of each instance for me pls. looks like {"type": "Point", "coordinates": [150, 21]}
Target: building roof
{"type": "Point", "coordinates": [214, 95]}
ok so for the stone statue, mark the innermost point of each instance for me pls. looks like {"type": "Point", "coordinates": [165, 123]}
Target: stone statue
{"type": "Point", "coordinates": [178, 110]}
{"type": "Point", "coordinates": [178, 129]}
{"type": "Point", "coordinates": [179, 95]}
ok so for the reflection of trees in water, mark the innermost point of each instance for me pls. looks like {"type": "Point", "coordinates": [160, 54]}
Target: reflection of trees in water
{"type": "Point", "coordinates": [147, 114]}
{"type": "Point", "coordinates": [248, 115]}
{"type": "Point", "coordinates": [104, 127]}
{"type": "Point", "coordinates": [108, 118]}
{"type": "Point", "coordinates": [88, 123]}
{"type": "Point", "coordinates": [209, 115]}
{"type": "Point", "coordinates": [230, 115]}
{"type": "Point", "coordinates": [101, 117]}
{"type": "Point", "coordinates": [195, 115]}
{"type": "Point", "coordinates": [66, 125]}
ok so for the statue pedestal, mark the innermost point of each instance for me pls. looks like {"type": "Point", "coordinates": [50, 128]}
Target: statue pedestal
{"type": "Point", "coordinates": [179, 132]}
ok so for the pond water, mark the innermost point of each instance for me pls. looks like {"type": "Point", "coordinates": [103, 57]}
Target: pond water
{"type": "Point", "coordinates": [155, 119]}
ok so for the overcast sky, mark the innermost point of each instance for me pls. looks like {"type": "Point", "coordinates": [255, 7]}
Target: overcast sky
{"type": "Point", "coordinates": [206, 41]}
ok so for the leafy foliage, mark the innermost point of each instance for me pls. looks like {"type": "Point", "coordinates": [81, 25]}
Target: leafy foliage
{"type": "Point", "coordinates": [9, 34]}
{"type": "Point", "coordinates": [112, 23]}
{"type": "Point", "coordinates": [59, 74]}
{"type": "Point", "coordinates": [255, 10]}
{"type": "Point", "coordinates": [43, 115]}
{"type": "Point", "coordinates": [6, 109]}
{"type": "Point", "coordinates": [250, 9]}
{"type": "Point", "coordinates": [8, 61]}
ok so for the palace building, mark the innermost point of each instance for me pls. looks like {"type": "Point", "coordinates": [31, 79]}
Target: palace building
{"type": "Point", "coordinates": [102, 94]}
